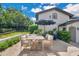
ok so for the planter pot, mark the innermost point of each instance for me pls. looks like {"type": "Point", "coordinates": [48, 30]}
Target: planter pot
{"type": "Point", "coordinates": [13, 50]}
{"type": "Point", "coordinates": [49, 37]}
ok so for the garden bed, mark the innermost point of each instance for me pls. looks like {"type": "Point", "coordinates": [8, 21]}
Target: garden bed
{"type": "Point", "coordinates": [12, 51]}
{"type": "Point", "coordinates": [10, 46]}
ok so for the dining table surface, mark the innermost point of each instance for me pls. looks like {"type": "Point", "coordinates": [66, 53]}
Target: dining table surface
{"type": "Point", "coordinates": [35, 37]}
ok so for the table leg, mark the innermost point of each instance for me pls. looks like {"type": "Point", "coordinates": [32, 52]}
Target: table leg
{"type": "Point", "coordinates": [42, 46]}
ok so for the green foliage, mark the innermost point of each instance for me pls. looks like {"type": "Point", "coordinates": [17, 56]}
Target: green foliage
{"type": "Point", "coordinates": [12, 18]}
{"type": "Point", "coordinates": [5, 44]}
{"type": "Point", "coordinates": [44, 34]}
{"type": "Point", "coordinates": [32, 28]}
{"type": "Point", "coordinates": [48, 32]}
{"type": "Point", "coordinates": [64, 35]}
{"type": "Point", "coordinates": [3, 30]}
{"type": "Point", "coordinates": [38, 31]}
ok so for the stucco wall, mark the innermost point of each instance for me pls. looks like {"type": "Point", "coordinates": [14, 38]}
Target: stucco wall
{"type": "Point", "coordinates": [61, 17]}
{"type": "Point", "coordinates": [12, 51]}
{"type": "Point", "coordinates": [47, 27]}
{"type": "Point", "coordinates": [77, 36]}
{"type": "Point", "coordinates": [76, 24]}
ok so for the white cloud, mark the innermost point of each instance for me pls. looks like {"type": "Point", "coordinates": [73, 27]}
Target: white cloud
{"type": "Point", "coordinates": [48, 7]}
{"type": "Point", "coordinates": [36, 10]}
{"type": "Point", "coordinates": [33, 19]}
{"type": "Point", "coordinates": [74, 9]}
{"type": "Point", "coordinates": [69, 5]}
{"type": "Point", "coordinates": [23, 8]}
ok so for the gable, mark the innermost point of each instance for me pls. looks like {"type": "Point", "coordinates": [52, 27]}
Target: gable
{"type": "Point", "coordinates": [57, 9]}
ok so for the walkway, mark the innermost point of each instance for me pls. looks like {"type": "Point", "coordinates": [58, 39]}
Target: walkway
{"type": "Point", "coordinates": [75, 44]}
{"type": "Point", "coordinates": [9, 37]}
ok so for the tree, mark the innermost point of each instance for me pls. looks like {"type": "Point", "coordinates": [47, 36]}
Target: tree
{"type": "Point", "coordinates": [33, 27]}
{"type": "Point", "coordinates": [12, 18]}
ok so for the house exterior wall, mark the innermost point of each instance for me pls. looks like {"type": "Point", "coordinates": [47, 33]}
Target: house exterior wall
{"type": "Point", "coordinates": [47, 27]}
{"type": "Point", "coordinates": [77, 36]}
{"type": "Point", "coordinates": [76, 24]}
{"type": "Point", "coordinates": [61, 17]}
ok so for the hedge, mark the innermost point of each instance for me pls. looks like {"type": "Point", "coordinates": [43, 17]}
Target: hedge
{"type": "Point", "coordinates": [64, 35]}
{"type": "Point", "coordinates": [38, 31]}
{"type": "Point", "coordinates": [8, 43]}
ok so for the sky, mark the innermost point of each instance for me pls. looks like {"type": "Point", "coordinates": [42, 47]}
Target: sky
{"type": "Point", "coordinates": [30, 9]}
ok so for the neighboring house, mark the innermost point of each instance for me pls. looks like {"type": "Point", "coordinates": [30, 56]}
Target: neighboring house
{"type": "Point", "coordinates": [55, 14]}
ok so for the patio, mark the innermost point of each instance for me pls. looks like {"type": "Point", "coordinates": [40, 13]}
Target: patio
{"type": "Point", "coordinates": [48, 47]}
{"type": "Point", "coordinates": [54, 49]}
{"type": "Point", "coordinates": [45, 52]}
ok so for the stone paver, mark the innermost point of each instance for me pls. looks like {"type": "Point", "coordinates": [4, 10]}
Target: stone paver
{"type": "Point", "coordinates": [75, 44]}
{"type": "Point", "coordinates": [58, 48]}
{"type": "Point", "coordinates": [36, 53]}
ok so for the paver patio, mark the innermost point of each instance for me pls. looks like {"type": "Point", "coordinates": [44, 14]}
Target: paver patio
{"type": "Point", "coordinates": [57, 46]}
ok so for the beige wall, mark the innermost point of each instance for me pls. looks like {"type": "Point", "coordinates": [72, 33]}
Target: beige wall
{"type": "Point", "coordinates": [77, 36]}
{"type": "Point", "coordinates": [76, 24]}
{"type": "Point", "coordinates": [61, 16]}
{"type": "Point", "coordinates": [47, 27]}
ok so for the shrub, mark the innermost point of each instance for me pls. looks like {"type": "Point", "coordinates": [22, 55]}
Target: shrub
{"type": "Point", "coordinates": [4, 30]}
{"type": "Point", "coordinates": [37, 31]}
{"type": "Point", "coordinates": [32, 28]}
{"type": "Point", "coordinates": [5, 44]}
{"type": "Point", "coordinates": [64, 35]}
{"type": "Point", "coordinates": [12, 41]}
{"type": "Point", "coordinates": [50, 32]}
{"type": "Point", "coordinates": [44, 34]}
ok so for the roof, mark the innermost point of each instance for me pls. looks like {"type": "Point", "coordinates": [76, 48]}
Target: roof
{"type": "Point", "coordinates": [58, 9]}
{"type": "Point", "coordinates": [68, 22]}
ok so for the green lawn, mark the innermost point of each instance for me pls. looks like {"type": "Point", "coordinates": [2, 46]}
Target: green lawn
{"type": "Point", "coordinates": [12, 34]}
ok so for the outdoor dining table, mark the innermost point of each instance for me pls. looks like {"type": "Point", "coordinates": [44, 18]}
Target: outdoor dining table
{"type": "Point", "coordinates": [35, 41]}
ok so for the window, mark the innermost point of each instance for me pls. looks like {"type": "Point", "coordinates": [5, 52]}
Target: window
{"type": "Point", "coordinates": [54, 16]}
